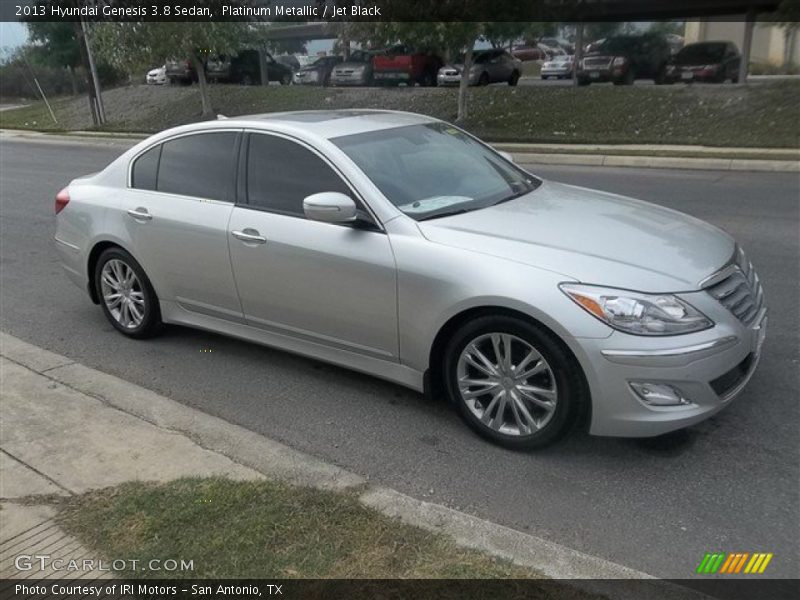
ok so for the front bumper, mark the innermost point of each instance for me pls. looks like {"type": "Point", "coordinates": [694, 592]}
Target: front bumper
{"type": "Point", "coordinates": [449, 79]}
{"type": "Point", "coordinates": [709, 369]}
{"type": "Point", "coordinates": [343, 79]}
{"type": "Point", "coordinates": [556, 72]}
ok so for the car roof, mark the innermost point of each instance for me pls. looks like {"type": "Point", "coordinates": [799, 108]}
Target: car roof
{"type": "Point", "coordinates": [332, 123]}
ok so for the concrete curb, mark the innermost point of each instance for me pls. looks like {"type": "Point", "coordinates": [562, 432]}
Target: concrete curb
{"type": "Point", "coordinates": [525, 154]}
{"type": "Point", "coordinates": [276, 460]}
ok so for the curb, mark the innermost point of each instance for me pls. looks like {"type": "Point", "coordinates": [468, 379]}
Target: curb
{"type": "Point", "coordinates": [658, 162]}
{"type": "Point", "coordinates": [543, 154]}
{"type": "Point", "coordinates": [279, 461]}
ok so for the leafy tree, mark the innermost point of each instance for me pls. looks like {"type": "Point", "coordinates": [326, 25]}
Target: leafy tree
{"type": "Point", "coordinates": [667, 27]}
{"type": "Point", "coordinates": [55, 45]}
{"type": "Point", "coordinates": [131, 44]}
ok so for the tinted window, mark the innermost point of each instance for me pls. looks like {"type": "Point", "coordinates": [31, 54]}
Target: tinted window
{"type": "Point", "coordinates": [281, 173]}
{"type": "Point", "coordinates": [145, 169]}
{"type": "Point", "coordinates": [198, 165]}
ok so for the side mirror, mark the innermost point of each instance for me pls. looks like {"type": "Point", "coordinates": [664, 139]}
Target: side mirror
{"type": "Point", "coordinates": [330, 207]}
{"type": "Point", "coordinates": [507, 155]}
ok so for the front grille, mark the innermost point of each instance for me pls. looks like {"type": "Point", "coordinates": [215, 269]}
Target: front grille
{"type": "Point", "coordinates": [601, 62]}
{"type": "Point", "coordinates": [727, 382]}
{"type": "Point", "coordinates": [739, 290]}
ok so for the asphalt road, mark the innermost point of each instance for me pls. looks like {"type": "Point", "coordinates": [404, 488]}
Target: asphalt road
{"type": "Point", "coordinates": [729, 484]}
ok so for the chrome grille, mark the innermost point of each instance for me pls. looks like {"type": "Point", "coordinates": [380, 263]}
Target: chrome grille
{"type": "Point", "coordinates": [738, 289]}
{"type": "Point", "coordinates": [602, 62]}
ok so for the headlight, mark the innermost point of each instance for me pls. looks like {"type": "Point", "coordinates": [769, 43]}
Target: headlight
{"type": "Point", "coordinates": [619, 61]}
{"type": "Point", "coordinates": [640, 314]}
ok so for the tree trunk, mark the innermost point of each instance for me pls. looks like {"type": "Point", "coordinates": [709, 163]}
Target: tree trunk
{"type": "Point", "coordinates": [463, 112]}
{"type": "Point", "coordinates": [73, 79]}
{"type": "Point", "coordinates": [205, 98]}
{"type": "Point", "coordinates": [788, 41]}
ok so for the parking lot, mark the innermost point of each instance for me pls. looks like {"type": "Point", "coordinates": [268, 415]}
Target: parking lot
{"type": "Point", "coordinates": [657, 505]}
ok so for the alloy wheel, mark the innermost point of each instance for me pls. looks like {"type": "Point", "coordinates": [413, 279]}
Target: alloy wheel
{"type": "Point", "coordinates": [122, 293]}
{"type": "Point", "coordinates": [507, 384]}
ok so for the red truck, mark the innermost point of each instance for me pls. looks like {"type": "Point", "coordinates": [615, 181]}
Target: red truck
{"type": "Point", "coordinates": [401, 64]}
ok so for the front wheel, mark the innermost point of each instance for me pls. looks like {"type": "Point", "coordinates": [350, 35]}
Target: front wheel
{"type": "Point", "coordinates": [513, 382]}
{"type": "Point", "coordinates": [126, 294]}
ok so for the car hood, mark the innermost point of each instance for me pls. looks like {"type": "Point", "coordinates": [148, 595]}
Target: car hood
{"type": "Point", "coordinates": [592, 237]}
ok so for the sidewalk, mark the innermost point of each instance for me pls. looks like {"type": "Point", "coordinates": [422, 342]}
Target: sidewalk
{"type": "Point", "coordinates": [595, 155]}
{"type": "Point", "coordinates": [68, 429]}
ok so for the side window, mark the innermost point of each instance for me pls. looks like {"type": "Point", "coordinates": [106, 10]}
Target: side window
{"type": "Point", "coordinates": [145, 169]}
{"type": "Point", "coordinates": [281, 173]}
{"type": "Point", "coordinates": [199, 165]}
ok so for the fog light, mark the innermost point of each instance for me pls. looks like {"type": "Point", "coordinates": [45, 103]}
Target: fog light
{"type": "Point", "coordinates": [659, 394]}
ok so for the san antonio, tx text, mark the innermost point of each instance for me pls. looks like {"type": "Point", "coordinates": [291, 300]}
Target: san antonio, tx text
{"type": "Point", "coordinates": [113, 589]}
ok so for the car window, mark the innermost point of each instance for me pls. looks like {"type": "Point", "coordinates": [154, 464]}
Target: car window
{"type": "Point", "coordinates": [434, 169]}
{"type": "Point", "coordinates": [145, 169]}
{"type": "Point", "coordinates": [281, 173]}
{"type": "Point", "coordinates": [198, 165]}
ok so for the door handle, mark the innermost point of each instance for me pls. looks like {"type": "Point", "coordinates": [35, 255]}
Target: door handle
{"type": "Point", "coordinates": [140, 213]}
{"type": "Point", "coordinates": [249, 236]}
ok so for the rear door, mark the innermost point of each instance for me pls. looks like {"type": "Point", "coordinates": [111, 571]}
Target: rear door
{"type": "Point", "coordinates": [328, 283]}
{"type": "Point", "coordinates": [176, 215]}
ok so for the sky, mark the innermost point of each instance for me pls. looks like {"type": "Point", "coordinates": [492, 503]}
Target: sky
{"type": "Point", "coordinates": [11, 35]}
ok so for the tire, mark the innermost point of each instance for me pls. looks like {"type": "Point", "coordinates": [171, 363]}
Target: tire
{"type": "Point", "coordinates": [548, 417]}
{"type": "Point", "coordinates": [286, 79]}
{"type": "Point", "coordinates": [428, 79]}
{"type": "Point", "coordinates": [483, 80]}
{"type": "Point", "coordinates": [661, 77]}
{"type": "Point", "coordinates": [111, 267]}
{"type": "Point", "coordinates": [514, 79]}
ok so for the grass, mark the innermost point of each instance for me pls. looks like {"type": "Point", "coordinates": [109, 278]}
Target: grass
{"type": "Point", "coordinates": [757, 115]}
{"type": "Point", "coordinates": [267, 530]}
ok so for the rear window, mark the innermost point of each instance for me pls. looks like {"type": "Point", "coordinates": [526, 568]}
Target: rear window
{"type": "Point", "coordinates": [198, 165]}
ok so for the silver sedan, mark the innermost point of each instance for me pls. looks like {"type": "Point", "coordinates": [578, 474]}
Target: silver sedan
{"type": "Point", "coordinates": [400, 246]}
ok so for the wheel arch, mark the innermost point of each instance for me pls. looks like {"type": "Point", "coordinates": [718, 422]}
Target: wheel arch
{"type": "Point", "coordinates": [433, 378]}
{"type": "Point", "coordinates": [91, 262]}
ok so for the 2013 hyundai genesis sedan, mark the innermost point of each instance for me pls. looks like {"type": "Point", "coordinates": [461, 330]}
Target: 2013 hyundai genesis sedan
{"type": "Point", "coordinates": [400, 246]}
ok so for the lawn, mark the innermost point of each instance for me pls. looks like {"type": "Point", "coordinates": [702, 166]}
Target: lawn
{"type": "Point", "coordinates": [757, 115]}
{"type": "Point", "coordinates": [266, 530]}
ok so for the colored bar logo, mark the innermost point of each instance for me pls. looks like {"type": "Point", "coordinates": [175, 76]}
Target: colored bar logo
{"type": "Point", "coordinates": [733, 563]}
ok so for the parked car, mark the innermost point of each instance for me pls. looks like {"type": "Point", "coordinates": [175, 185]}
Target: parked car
{"type": "Point", "coordinates": [554, 43]}
{"type": "Point", "coordinates": [318, 72]}
{"type": "Point", "coordinates": [712, 62]}
{"type": "Point", "coordinates": [289, 60]}
{"type": "Point", "coordinates": [488, 66]}
{"type": "Point", "coordinates": [356, 70]}
{"type": "Point", "coordinates": [180, 71]}
{"type": "Point", "coordinates": [454, 271]}
{"type": "Point", "coordinates": [625, 58]}
{"type": "Point", "coordinates": [526, 52]}
{"type": "Point", "coordinates": [401, 64]}
{"type": "Point", "coordinates": [559, 68]}
{"type": "Point", "coordinates": [245, 69]}
{"type": "Point", "coordinates": [157, 76]}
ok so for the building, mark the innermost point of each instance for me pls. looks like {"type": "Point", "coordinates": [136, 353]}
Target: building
{"type": "Point", "coordinates": [770, 43]}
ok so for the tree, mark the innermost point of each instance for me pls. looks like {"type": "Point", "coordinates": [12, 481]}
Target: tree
{"type": "Point", "coordinates": [132, 44]}
{"type": "Point", "coordinates": [667, 27]}
{"type": "Point", "coordinates": [56, 46]}
{"type": "Point", "coordinates": [787, 17]}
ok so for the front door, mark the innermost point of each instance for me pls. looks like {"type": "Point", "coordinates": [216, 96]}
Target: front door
{"type": "Point", "coordinates": [332, 284]}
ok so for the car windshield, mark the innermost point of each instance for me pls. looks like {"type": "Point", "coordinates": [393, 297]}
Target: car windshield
{"type": "Point", "coordinates": [700, 53]}
{"type": "Point", "coordinates": [435, 170]}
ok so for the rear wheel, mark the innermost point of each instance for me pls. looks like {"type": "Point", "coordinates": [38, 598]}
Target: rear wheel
{"type": "Point", "coordinates": [484, 79]}
{"type": "Point", "coordinates": [513, 382]}
{"type": "Point", "coordinates": [514, 80]}
{"type": "Point", "coordinates": [126, 294]}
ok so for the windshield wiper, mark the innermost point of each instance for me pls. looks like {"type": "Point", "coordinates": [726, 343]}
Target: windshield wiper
{"type": "Point", "coordinates": [446, 213]}
{"type": "Point", "coordinates": [513, 196]}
